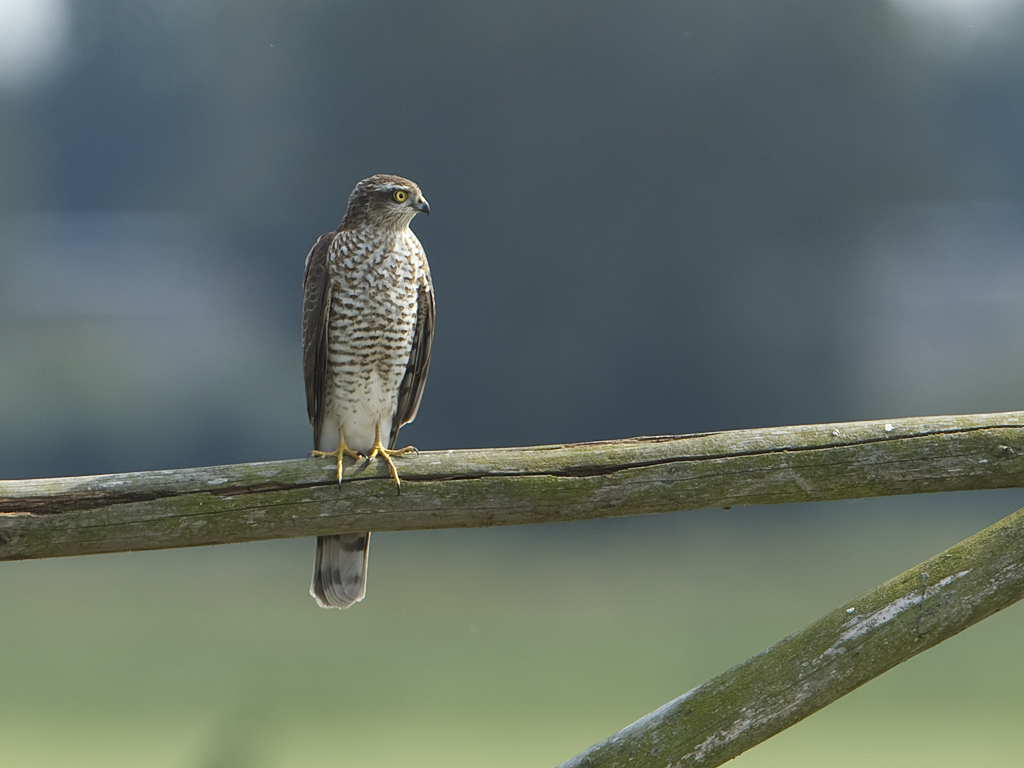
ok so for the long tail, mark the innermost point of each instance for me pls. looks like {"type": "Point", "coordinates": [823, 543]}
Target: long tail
{"type": "Point", "coordinates": [339, 572]}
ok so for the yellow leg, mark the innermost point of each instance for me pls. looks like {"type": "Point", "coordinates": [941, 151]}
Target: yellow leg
{"type": "Point", "coordinates": [340, 454]}
{"type": "Point", "coordinates": [386, 454]}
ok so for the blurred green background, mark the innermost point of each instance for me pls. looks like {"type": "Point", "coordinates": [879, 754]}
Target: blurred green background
{"type": "Point", "coordinates": [647, 218]}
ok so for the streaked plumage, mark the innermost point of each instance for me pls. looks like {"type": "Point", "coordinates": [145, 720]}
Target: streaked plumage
{"type": "Point", "coordinates": [367, 326]}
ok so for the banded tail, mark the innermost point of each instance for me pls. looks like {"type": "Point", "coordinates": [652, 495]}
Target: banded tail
{"type": "Point", "coordinates": [339, 572]}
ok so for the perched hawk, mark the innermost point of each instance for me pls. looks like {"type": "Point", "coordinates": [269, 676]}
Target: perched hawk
{"type": "Point", "coordinates": [367, 324]}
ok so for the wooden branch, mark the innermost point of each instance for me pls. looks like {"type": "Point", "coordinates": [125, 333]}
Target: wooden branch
{"type": "Point", "coordinates": [508, 486]}
{"type": "Point", "coordinates": [809, 670]}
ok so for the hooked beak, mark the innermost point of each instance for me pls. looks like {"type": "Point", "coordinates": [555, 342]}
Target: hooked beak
{"type": "Point", "coordinates": [424, 206]}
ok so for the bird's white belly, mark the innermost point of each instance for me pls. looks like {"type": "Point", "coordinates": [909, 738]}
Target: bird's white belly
{"type": "Point", "coordinates": [357, 413]}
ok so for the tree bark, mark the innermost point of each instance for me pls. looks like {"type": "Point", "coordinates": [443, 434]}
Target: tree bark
{"type": "Point", "coordinates": [509, 486]}
{"type": "Point", "coordinates": [841, 651]}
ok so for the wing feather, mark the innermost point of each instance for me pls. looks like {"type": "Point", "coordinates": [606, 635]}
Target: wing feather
{"type": "Point", "coordinates": [411, 389]}
{"type": "Point", "coordinates": [316, 308]}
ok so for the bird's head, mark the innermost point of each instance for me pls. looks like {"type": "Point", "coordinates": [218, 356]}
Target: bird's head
{"type": "Point", "coordinates": [384, 201]}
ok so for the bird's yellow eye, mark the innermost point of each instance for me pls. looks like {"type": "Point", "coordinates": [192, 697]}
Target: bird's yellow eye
{"type": "Point", "coordinates": [400, 195]}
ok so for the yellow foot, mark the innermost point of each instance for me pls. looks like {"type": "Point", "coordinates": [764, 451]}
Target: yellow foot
{"type": "Point", "coordinates": [340, 454]}
{"type": "Point", "coordinates": [386, 454]}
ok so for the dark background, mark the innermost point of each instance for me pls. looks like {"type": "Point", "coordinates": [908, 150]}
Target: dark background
{"type": "Point", "coordinates": [649, 218]}
{"type": "Point", "coordinates": [646, 218]}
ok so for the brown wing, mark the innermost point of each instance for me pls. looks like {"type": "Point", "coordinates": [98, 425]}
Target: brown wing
{"type": "Point", "coordinates": [316, 308]}
{"type": "Point", "coordinates": [411, 389]}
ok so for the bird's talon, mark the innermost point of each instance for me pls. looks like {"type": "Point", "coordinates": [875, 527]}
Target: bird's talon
{"type": "Point", "coordinates": [386, 454]}
{"type": "Point", "coordinates": [340, 454]}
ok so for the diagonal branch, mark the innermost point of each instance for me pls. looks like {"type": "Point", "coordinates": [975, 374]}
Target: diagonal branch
{"type": "Point", "coordinates": [841, 651]}
{"type": "Point", "coordinates": [509, 486]}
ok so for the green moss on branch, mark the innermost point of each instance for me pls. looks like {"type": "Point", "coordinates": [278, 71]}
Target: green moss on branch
{"type": "Point", "coordinates": [510, 486]}
{"type": "Point", "coordinates": [809, 670]}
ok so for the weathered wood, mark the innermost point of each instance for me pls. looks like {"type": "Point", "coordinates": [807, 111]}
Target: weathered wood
{"type": "Point", "coordinates": [809, 670]}
{"type": "Point", "coordinates": [508, 486]}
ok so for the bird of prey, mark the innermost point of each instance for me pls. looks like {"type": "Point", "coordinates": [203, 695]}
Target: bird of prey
{"type": "Point", "coordinates": [367, 326]}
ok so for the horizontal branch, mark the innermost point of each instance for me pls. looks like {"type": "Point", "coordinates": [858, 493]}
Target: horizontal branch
{"type": "Point", "coordinates": [809, 670]}
{"type": "Point", "coordinates": [509, 486]}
